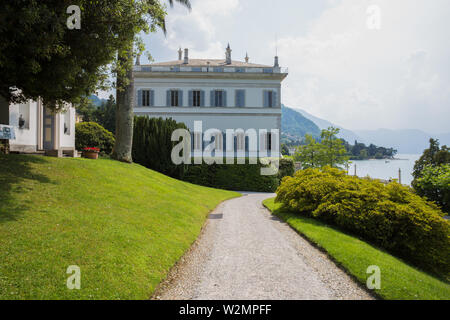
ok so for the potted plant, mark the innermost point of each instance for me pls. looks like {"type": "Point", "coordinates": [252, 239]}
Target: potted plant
{"type": "Point", "coordinates": [91, 152]}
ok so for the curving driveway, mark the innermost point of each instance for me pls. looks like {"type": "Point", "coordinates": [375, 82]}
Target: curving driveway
{"type": "Point", "coordinates": [245, 253]}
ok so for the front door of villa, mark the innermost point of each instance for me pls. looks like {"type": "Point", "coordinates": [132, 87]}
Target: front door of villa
{"type": "Point", "coordinates": [49, 130]}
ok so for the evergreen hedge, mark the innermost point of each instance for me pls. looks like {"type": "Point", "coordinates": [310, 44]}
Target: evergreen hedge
{"type": "Point", "coordinates": [239, 177]}
{"type": "Point", "coordinates": [152, 145]}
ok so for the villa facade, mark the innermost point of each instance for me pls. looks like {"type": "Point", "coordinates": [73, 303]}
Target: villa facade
{"type": "Point", "coordinates": [37, 129]}
{"type": "Point", "coordinates": [223, 94]}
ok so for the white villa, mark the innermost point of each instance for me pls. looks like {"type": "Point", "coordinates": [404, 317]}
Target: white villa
{"type": "Point", "coordinates": [222, 93]}
{"type": "Point", "coordinates": [36, 129]}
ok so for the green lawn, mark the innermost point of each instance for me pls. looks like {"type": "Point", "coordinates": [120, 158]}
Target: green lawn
{"type": "Point", "coordinates": [123, 225]}
{"type": "Point", "coordinates": [398, 279]}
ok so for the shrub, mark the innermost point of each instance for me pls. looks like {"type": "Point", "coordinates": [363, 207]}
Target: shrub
{"type": "Point", "coordinates": [91, 134]}
{"type": "Point", "coordinates": [391, 216]}
{"type": "Point", "coordinates": [152, 144]}
{"type": "Point", "coordinates": [241, 177]}
{"type": "Point", "coordinates": [286, 168]}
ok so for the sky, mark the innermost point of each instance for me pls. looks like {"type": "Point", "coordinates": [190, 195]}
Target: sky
{"type": "Point", "coordinates": [362, 64]}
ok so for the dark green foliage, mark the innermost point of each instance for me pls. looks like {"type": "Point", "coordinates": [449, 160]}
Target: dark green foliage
{"type": "Point", "coordinates": [240, 177]}
{"type": "Point", "coordinates": [284, 149]}
{"type": "Point", "coordinates": [390, 216]}
{"type": "Point", "coordinates": [359, 151]}
{"type": "Point", "coordinates": [104, 113]}
{"type": "Point", "coordinates": [431, 175]}
{"type": "Point", "coordinates": [152, 145]}
{"type": "Point", "coordinates": [91, 134]}
{"type": "Point", "coordinates": [286, 168]}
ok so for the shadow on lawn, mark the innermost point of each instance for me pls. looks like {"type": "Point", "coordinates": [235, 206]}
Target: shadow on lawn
{"type": "Point", "coordinates": [13, 170]}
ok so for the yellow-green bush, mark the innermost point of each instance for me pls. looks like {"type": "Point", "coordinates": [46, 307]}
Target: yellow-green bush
{"type": "Point", "coordinates": [390, 216]}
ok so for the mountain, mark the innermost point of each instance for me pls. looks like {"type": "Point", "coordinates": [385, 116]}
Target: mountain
{"type": "Point", "coordinates": [404, 140]}
{"type": "Point", "coordinates": [96, 100]}
{"type": "Point", "coordinates": [294, 125]}
{"type": "Point", "coordinates": [345, 134]}
{"type": "Point", "coordinates": [297, 122]}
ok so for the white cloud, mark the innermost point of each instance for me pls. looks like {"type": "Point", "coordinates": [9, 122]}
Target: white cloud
{"type": "Point", "coordinates": [362, 78]}
{"type": "Point", "coordinates": [197, 30]}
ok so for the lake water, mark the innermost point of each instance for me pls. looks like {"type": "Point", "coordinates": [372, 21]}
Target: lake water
{"type": "Point", "coordinates": [386, 169]}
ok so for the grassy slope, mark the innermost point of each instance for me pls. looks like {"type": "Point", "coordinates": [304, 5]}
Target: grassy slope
{"type": "Point", "coordinates": [122, 224]}
{"type": "Point", "coordinates": [398, 279]}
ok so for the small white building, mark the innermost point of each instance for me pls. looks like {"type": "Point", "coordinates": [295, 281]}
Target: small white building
{"type": "Point", "coordinates": [222, 93]}
{"type": "Point", "coordinates": [37, 129]}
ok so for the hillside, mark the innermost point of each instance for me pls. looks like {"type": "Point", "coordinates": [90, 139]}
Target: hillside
{"type": "Point", "coordinates": [294, 126]}
{"type": "Point", "coordinates": [345, 134]}
{"type": "Point", "coordinates": [96, 100]}
{"type": "Point", "coordinates": [122, 224]}
{"type": "Point", "coordinates": [405, 141]}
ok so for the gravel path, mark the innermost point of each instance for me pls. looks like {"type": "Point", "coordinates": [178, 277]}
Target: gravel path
{"type": "Point", "coordinates": [244, 252]}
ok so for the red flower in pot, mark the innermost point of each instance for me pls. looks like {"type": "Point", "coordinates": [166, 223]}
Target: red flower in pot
{"type": "Point", "coordinates": [91, 152]}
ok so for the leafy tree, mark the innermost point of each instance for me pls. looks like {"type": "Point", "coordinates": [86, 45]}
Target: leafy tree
{"type": "Point", "coordinates": [87, 110]}
{"type": "Point", "coordinates": [284, 149]}
{"type": "Point", "coordinates": [310, 155]}
{"type": "Point", "coordinates": [40, 57]}
{"type": "Point", "coordinates": [434, 183]}
{"type": "Point", "coordinates": [433, 156]}
{"type": "Point", "coordinates": [330, 151]}
{"type": "Point", "coordinates": [432, 175]}
{"type": "Point", "coordinates": [334, 152]}
{"type": "Point", "coordinates": [106, 114]}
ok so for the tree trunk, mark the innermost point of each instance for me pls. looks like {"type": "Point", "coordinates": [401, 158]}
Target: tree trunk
{"type": "Point", "coordinates": [124, 110]}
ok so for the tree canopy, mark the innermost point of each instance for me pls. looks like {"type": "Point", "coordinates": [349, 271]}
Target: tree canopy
{"type": "Point", "coordinates": [41, 57]}
{"type": "Point", "coordinates": [329, 151]}
{"type": "Point", "coordinates": [432, 175]}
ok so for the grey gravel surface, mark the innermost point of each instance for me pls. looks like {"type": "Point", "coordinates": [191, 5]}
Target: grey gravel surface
{"type": "Point", "coordinates": [244, 252]}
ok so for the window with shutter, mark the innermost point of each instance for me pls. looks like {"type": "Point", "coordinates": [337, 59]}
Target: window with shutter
{"type": "Point", "coordinates": [145, 98]}
{"type": "Point", "coordinates": [270, 99]}
{"type": "Point", "coordinates": [265, 99]}
{"type": "Point", "coordinates": [240, 98]}
{"type": "Point", "coordinates": [219, 98]}
{"type": "Point", "coordinates": [202, 98]}
{"type": "Point", "coordinates": [196, 97]}
{"type": "Point", "coordinates": [152, 98]}
{"type": "Point", "coordinates": [139, 98]}
{"type": "Point", "coordinates": [174, 98]}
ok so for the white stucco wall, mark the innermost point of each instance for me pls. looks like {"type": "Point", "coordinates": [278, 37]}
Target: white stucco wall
{"type": "Point", "coordinates": [67, 140]}
{"type": "Point", "coordinates": [253, 89]}
{"type": "Point", "coordinates": [253, 116]}
{"type": "Point", "coordinates": [26, 136]}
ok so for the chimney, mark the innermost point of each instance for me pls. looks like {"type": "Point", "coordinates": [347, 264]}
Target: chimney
{"type": "Point", "coordinates": [228, 55]}
{"type": "Point", "coordinates": [180, 54]}
{"type": "Point", "coordinates": [276, 65]}
{"type": "Point", "coordinates": [246, 57]}
{"type": "Point", "coordinates": [186, 56]}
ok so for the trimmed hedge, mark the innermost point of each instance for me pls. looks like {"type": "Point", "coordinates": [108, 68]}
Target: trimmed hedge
{"type": "Point", "coordinates": [240, 177]}
{"type": "Point", "coordinates": [390, 216]}
{"type": "Point", "coordinates": [91, 134]}
{"type": "Point", "coordinates": [152, 144]}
